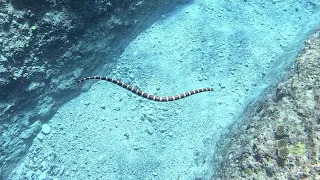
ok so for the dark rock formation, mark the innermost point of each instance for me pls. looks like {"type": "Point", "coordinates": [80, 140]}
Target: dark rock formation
{"type": "Point", "coordinates": [45, 45]}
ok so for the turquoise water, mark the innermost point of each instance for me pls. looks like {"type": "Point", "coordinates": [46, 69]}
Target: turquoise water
{"type": "Point", "coordinates": [236, 47]}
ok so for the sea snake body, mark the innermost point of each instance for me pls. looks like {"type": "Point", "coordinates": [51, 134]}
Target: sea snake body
{"type": "Point", "coordinates": [144, 94]}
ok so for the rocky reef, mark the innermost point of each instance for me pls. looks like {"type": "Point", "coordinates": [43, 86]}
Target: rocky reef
{"type": "Point", "coordinates": [278, 135]}
{"type": "Point", "coordinates": [45, 45]}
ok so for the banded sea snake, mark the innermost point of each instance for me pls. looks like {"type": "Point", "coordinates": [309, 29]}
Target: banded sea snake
{"type": "Point", "coordinates": [144, 94]}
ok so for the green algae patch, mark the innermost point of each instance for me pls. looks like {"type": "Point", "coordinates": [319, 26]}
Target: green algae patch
{"type": "Point", "coordinates": [299, 149]}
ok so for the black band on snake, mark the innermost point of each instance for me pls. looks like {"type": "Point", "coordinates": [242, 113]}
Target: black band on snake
{"type": "Point", "coordinates": [144, 94]}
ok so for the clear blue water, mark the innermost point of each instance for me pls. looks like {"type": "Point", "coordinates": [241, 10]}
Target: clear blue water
{"type": "Point", "coordinates": [237, 47]}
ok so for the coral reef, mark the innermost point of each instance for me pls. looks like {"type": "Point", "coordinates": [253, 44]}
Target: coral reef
{"type": "Point", "coordinates": [283, 153]}
{"type": "Point", "coordinates": [281, 131]}
{"type": "Point", "coordinates": [299, 149]}
{"type": "Point", "coordinates": [284, 127]}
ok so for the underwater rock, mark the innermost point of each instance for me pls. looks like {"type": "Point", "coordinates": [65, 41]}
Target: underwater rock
{"type": "Point", "coordinates": [47, 44]}
{"type": "Point", "coordinates": [282, 143]}
{"type": "Point", "coordinates": [286, 122]}
{"type": "Point", "coordinates": [40, 136]}
{"type": "Point", "coordinates": [283, 153]}
{"type": "Point", "coordinates": [28, 133]}
{"type": "Point", "coordinates": [46, 128]}
{"type": "Point", "coordinates": [281, 131]}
